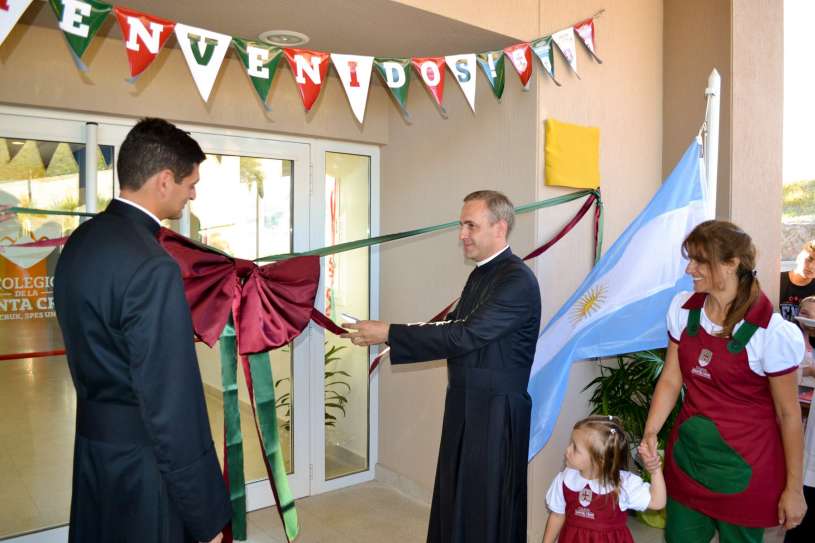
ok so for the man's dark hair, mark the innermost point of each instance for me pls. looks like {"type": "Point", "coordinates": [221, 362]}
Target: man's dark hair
{"type": "Point", "coordinates": [154, 145]}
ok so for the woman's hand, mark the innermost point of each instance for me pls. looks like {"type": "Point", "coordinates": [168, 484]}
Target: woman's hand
{"type": "Point", "coordinates": [649, 444]}
{"type": "Point", "coordinates": [791, 508]}
{"type": "Point", "coordinates": [650, 458]}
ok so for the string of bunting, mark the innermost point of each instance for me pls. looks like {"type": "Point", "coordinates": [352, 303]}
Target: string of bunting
{"type": "Point", "coordinates": [144, 35]}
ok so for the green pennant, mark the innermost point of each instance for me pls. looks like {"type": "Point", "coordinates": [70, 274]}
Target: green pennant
{"type": "Point", "coordinates": [492, 64]}
{"type": "Point", "coordinates": [395, 73]}
{"type": "Point", "coordinates": [543, 49]}
{"type": "Point", "coordinates": [260, 61]}
{"type": "Point", "coordinates": [80, 20]}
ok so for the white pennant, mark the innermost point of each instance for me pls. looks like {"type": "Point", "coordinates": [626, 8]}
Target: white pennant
{"type": "Point", "coordinates": [463, 68]}
{"type": "Point", "coordinates": [355, 74]}
{"type": "Point", "coordinates": [567, 45]}
{"type": "Point", "coordinates": [10, 12]}
{"type": "Point", "coordinates": [206, 59]}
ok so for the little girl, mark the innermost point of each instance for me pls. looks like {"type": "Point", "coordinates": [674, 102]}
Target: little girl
{"type": "Point", "coordinates": [588, 500]}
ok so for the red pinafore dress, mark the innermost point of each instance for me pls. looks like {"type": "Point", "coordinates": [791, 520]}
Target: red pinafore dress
{"type": "Point", "coordinates": [593, 518]}
{"type": "Point", "coordinates": [725, 458]}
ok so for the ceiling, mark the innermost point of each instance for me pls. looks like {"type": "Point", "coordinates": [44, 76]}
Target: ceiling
{"type": "Point", "coordinates": [366, 27]}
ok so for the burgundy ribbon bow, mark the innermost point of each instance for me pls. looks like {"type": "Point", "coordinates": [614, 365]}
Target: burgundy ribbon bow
{"type": "Point", "coordinates": [271, 304]}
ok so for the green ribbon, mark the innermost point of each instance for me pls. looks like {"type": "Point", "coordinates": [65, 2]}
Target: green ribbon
{"type": "Point", "coordinates": [263, 393]}
{"type": "Point", "coordinates": [263, 384]}
{"type": "Point", "coordinates": [33, 211]}
{"type": "Point", "coordinates": [367, 242]}
{"type": "Point", "coordinates": [232, 430]}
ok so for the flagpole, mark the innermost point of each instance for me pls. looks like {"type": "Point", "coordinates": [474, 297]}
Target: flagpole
{"type": "Point", "coordinates": [711, 137]}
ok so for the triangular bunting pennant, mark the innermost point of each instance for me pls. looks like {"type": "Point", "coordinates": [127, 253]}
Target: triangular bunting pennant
{"type": "Point", "coordinates": [565, 42]}
{"type": "Point", "coordinates": [309, 69]}
{"type": "Point", "coordinates": [492, 64]}
{"type": "Point", "coordinates": [431, 71]}
{"type": "Point", "coordinates": [355, 74]}
{"type": "Point", "coordinates": [260, 61]}
{"type": "Point", "coordinates": [463, 68]}
{"type": "Point", "coordinates": [395, 73]}
{"type": "Point", "coordinates": [144, 36]}
{"type": "Point", "coordinates": [10, 12]}
{"type": "Point", "coordinates": [585, 29]}
{"type": "Point", "coordinates": [521, 58]}
{"type": "Point", "coordinates": [204, 51]}
{"type": "Point", "coordinates": [80, 21]}
{"type": "Point", "coordinates": [543, 50]}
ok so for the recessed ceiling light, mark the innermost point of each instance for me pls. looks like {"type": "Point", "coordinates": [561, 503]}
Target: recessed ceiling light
{"type": "Point", "coordinates": [283, 38]}
{"type": "Point", "coordinates": [17, 142]}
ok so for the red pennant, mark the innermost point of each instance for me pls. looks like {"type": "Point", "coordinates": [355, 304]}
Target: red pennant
{"type": "Point", "coordinates": [520, 55]}
{"type": "Point", "coordinates": [144, 36]}
{"type": "Point", "coordinates": [585, 30]}
{"type": "Point", "coordinates": [309, 69]}
{"type": "Point", "coordinates": [431, 71]}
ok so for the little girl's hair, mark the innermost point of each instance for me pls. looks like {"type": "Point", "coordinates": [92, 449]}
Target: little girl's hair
{"type": "Point", "coordinates": [608, 448]}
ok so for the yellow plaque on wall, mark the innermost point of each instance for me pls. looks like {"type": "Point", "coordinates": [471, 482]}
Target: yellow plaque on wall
{"type": "Point", "coordinates": [571, 155]}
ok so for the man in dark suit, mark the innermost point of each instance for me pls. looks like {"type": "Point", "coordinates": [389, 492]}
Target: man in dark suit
{"type": "Point", "coordinates": [145, 467]}
{"type": "Point", "coordinates": [489, 342]}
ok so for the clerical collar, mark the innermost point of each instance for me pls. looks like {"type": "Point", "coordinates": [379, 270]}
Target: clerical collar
{"type": "Point", "coordinates": [479, 264]}
{"type": "Point", "coordinates": [140, 208]}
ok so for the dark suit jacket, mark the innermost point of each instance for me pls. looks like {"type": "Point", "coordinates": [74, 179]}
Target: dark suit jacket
{"type": "Point", "coordinates": [145, 467]}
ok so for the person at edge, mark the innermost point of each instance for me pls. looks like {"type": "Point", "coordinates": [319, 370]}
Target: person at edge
{"type": "Point", "coordinates": [798, 283]}
{"type": "Point", "coordinates": [145, 467]}
{"type": "Point", "coordinates": [489, 341]}
{"type": "Point", "coordinates": [734, 457]}
{"type": "Point", "coordinates": [806, 530]}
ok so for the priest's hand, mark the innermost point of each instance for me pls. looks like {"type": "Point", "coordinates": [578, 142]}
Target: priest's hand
{"type": "Point", "coordinates": [367, 332]}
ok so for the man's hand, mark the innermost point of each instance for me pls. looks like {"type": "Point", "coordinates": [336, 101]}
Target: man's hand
{"type": "Point", "coordinates": [367, 332]}
{"type": "Point", "coordinates": [217, 538]}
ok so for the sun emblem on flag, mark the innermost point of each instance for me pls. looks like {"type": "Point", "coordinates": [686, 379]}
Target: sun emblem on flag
{"type": "Point", "coordinates": [589, 303]}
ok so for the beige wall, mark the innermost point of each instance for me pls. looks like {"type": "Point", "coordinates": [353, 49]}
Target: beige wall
{"type": "Point", "coordinates": [501, 147]}
{"type": "Point", "coordinates": [697, 37]}
{"type": "Point", "coordinates": [757, 128]}
{"type": "Point", "coordinates": [36, 70]}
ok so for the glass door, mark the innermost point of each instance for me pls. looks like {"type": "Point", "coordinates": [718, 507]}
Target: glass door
{"type": "Point", "coordinates": [345, 399]}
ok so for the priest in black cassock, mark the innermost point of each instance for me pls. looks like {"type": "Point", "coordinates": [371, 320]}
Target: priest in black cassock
{"type": "Point", "coordinates": [145, 467]}
{"type": "Point", "coordinates": [489, 343]}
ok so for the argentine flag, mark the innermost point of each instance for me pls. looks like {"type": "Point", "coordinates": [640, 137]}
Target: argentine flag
{"type": "Point", "coordinates": [621, 306]}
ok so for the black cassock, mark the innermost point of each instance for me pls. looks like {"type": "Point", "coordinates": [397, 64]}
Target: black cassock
{"type": "Point", "coordinates": [489, 342]}
{"type": "Point", "coordinates": [145, 467]}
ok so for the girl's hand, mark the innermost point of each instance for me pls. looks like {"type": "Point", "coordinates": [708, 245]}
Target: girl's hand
{"type": "Point", "coordinates": [649, 458]}
{"type": "Point", "coordinates": [791, 508]}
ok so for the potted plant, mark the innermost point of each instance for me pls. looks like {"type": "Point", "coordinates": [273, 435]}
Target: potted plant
{"type": "Point", "coordinates": [336, 392]}
{"type": "Point", "coordinates": [624, 390]}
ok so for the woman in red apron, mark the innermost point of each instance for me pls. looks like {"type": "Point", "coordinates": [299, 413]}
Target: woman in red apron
{"type": "Point", "coordinates": [734, 459]}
